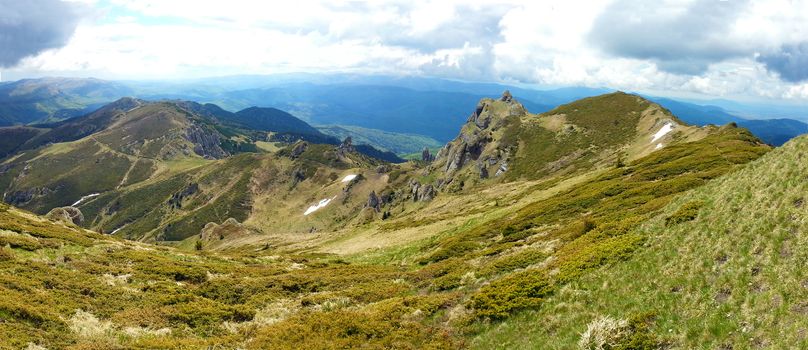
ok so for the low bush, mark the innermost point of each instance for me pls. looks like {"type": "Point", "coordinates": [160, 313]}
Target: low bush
{"type": "Point", "coordinates": [513, 292]}
{"type": "Point", "coordinates": [687, 212]}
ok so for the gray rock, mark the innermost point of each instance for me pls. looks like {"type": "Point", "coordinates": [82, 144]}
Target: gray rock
{"type": "Point", "coordinates": [176, 199]}
{"type": "Point", "coordinates": [483, 170]}
{"type": "Point", "coordinates": [298, 149]}
{"type": "Point", "coordinates": [425, 193]}
{"type": "Point", "coordinates": [374, 201]}
{"type": "Point", "coordinates": [206, 142]}
{"type": "Point", "coordinates": [506, 96]}
{"type": "Point", "coordinates": [69, 215]}
{"type": "Point", "coordinates": [502, 169]}
{"type": "Point", "coordinates": [345, 147]}
{"type": "Point", "coordinates": [426, 156]}
{"type": "Point", "coordinates": [21, 197]}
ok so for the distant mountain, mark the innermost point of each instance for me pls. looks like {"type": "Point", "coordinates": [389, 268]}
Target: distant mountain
{"type": "Point", "coordinates": [37, 100]}
{"type": "Point", "coordinates": [773, 131]}
{"type": "Point", "coordinates": [272, 119]}
{"type": "Point", "coordinates": [408, 105]}
{"type": "Point", "coordinates": [397, 143]}
{"type": "Point", "coordinates": [432, 113]}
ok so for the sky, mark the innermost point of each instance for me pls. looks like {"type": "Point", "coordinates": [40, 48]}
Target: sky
{"type": "Point", "coordinates": [710, 48]}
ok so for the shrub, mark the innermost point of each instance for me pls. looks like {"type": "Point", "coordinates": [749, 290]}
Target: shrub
{"type": "Point", "coordinates": [520, 259]}
{"type": "Point", "coordinates": [449, 250]}
{"type": "Point", "coordinates": [513, 292]}
{"type": "Point", "coordinates": [687, 212]}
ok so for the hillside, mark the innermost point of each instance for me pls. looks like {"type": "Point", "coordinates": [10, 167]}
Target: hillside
{"type": "Point", "coordinates": [318, 244]}
{"type": "Point", "coordinates": [39, 100]}
{"type": "Point", "coordinates": [775, 131]}
{"type": "Point", "coordinates": [720, 267]}
{"type": "Point", "coordinates": [149, 170]}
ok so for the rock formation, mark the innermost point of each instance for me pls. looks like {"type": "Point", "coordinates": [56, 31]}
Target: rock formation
{"type": "Point", "coordinates": [346, 147]}
{"type": "Point", "coordinates": [426, 156]}
{"type": "Point", "coordinates": [206, 143]}
{"type": "Point", "coordinates": [69, 215]}
{"type": "Point", "coordinates": [374, 202]}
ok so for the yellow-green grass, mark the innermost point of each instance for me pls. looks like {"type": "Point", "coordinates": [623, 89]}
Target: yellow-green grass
{"type": "Point", "coordinates": [721, 267]}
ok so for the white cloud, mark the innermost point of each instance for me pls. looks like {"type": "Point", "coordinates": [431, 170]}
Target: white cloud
{"type": "Point", "coordinates": [549, 43]}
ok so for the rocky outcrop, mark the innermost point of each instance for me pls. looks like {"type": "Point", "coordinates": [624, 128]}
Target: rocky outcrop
{"type": "Point", "coordinates": [298, 149]}
{"type": "Point", "coordinates": [346, 147]}
{"type": "Point", "coordinates": [374, 202]}
{"type": "Point", "coordinates": [426, 156]}
{"type": "Point", "coordinates": [481, 167]}
{"type": "Point", "coordinates": [21, 197]}
{"type": "Point", "coordinates": [230, 228]}
{"type": "Point", "coordinates": [502, 169]}
{"type": "Point", "coordinates": [506, 96]}
{"type": "Point", "coordinates": [478, 133]}
{"type": "Point", "coordinates": [207, 143]}
{"type": "Point", "coordinates": [68, 215]}
{"type": "Point", "coordinates": [298, 175]}
{"type": "Point", "coordinates": [175, 202]}
{"type": "Point", "coordinates": [425, 193]}
{"type": "Point", "coordinates": [421, 193]}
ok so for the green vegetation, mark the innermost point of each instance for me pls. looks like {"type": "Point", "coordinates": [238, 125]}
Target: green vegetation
{"type": "Point", "coordinates": [397, 143]}
{"type": "Point", "coordinates": [688, 246]}
{"type": "Point", "coordinates": [723, 276]}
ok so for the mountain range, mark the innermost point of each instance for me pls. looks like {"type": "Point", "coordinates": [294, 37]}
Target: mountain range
{"type": "Point", "coordinates": [426, 107]}
{"type": "Point", "coordinates": [610, 220]}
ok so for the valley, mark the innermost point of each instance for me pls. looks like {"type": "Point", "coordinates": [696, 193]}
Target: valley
{"type": "Point", "coordinates": [173, 224]}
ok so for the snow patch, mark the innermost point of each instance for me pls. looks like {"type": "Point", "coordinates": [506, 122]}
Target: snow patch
{"type": "Point", "coordinates": [82, 199]}
{"type": "Point", "coordinates": [662, 132]}
{"type": "Point", "coordinates": [658, 146]}
{"type": "Point", "coordinates": [349, 178]}
{"type": "Point", "coordinates": [319, 205]}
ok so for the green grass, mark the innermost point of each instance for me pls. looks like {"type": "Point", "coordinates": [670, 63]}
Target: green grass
{"type": "Point", "coordinates": [718, 269]}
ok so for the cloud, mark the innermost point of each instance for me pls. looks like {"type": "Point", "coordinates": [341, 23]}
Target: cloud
{"type": "Point", "coordinates": [707, 47]}
{"type": "Point", "coordinates": [790, 62]}
{"type": "Point", "coordinates": [680, 37]}
{"type": "Point", "coordinates": [31, 26]}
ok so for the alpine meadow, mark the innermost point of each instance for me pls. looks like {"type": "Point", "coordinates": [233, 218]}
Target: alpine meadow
{"type": "Point", "coordinates": [403, 175]}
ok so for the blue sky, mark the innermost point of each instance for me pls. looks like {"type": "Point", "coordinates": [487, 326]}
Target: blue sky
{"type": "Point", "coordinates": [747, 50]}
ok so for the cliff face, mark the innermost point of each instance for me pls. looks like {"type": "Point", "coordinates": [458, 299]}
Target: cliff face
{"type": "Point", "coordinates": [483, 147]}
{"type": "Point", "coordinates": [206, 143]}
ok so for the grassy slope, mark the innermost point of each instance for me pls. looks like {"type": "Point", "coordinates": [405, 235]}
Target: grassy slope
{"type": "Point", "coordinates": [733, 277]}
{"type": "Point", "coordinates": [431, 293]}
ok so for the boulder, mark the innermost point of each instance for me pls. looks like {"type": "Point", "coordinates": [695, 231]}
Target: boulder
{"type": "Point", "coordinates": [68, 215]}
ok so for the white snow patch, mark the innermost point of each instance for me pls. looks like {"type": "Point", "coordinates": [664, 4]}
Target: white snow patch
{"type": "Point", "coordinates": [658, 146]}
{"type": "Point", "coordinates": [82, 199]}
{"type": "Point", "coordinates": [319, 205]}
{"type": "Point", "coordinates": [662, 132]}
{"type": "Point", "coordinates": [349, 178]}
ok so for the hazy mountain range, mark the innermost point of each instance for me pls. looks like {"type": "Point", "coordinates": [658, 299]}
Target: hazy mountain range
{"type": "Point", "coordinates": [419, 106]}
